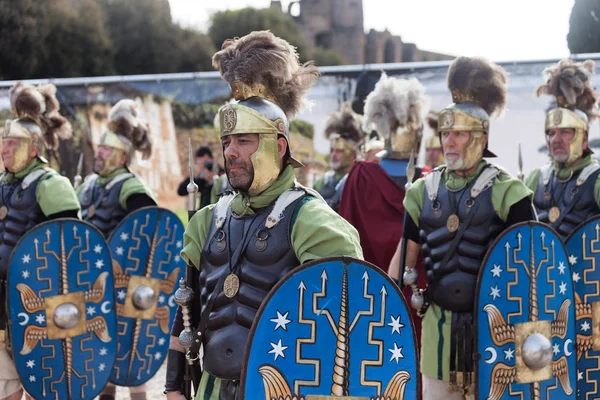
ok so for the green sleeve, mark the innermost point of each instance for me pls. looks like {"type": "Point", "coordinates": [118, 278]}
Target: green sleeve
{"type": "Point", "coordinates": [318, 185]}
{"type": "Point", "coordinates": [597, 190]}
{"type": "Point", "coordinates": [195, 235]}
{"type": "Point", "coordinates": [134, 186]}
{"type": "Point", "coordinates": [55, 194]}
{"type": "Point", "coordinates": [506, 192]}
{"type": "Point", "coordinates": [413, 200]}
{"type": "Point", "coordinates": [532, 179]}
{"type": "Point", "coordinates": [319, 232]}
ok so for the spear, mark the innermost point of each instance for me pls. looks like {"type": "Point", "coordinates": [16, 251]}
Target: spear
{"type": "Point", "coordinates": [521, 176]}
{"type": "Point", "coordinates": [410, 170]}
{"type": "Point", "coordinates": [77, 179]}
{"type": "Point", "coordinates": [185, 295]}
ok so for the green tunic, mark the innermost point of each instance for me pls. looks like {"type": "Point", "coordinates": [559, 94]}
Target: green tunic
{"type": "Point", "coordinates": [54, 192]}
{"type": "Point", "coordinates": [131, 186]}
{"type": "Point", "coordinates": [317, 231]}
{"type": "Point", "coordinates": [533, 178]}
{"type": "Point", "coordinates": [435, 333]}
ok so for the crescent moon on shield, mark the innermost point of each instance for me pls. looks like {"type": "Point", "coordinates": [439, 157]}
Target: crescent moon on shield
{"type": "Point", "coordinates": [25, 318]}
{"type": "Point", "coordinates": [172, 301]}
{"type": "Point", "coordinates": [567, 343]}
{"type": "Point", "coordinates": [104, 307]}
{"type": "Point", "coordinates": [493, 357]}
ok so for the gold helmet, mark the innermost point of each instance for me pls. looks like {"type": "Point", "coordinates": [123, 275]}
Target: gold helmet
{"type": "Point", "coordinates": [478, 89]}
{"type": "Point", "coordinates": [569, 82]}
{"type": "Point", "coordinates": [433, 142]}
{"type": "Point", "coordinates": [267, 79]}
{"type": "Point", "coordinates": [344, 131]}
{"type": "Point", "coordinates": [126, 133]}
{"type": "Point", "coordinates": [37, 124]}
{"type": "Point", "coordinates": [395, 109]}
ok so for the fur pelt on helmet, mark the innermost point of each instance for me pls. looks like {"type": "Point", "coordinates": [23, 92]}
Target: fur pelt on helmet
{"type": "Point", "coordinates": [432, 120]}
{"type": "Point", "coordinates": [570, 83]}
{"type": "Point", "coordinates": [479, 81]}
{"type": "Point", "coordinates": [262, 58]}
{"type": "Point", "coordinates": [395, 102]}
{"type": "Point", "coordinates": [40, 105]}
{"type": "Point", "coordinates": [345, 123]}
{"type": "Point", "coordinates": [123, 120]}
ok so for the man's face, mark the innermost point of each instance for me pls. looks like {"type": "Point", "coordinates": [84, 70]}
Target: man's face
{"type": "Point", "coordinates": [237, 150]}
{"type": "Point", "coordinates": [106, 154]}
{"type": "Point", "coordinates": [199, 164]}
{"type": "Point", "coordinates": [454, 144]}
{"type": "Point", "coordinates": [10, 147]}
{"type": "Point", "coordinates": [433, 155]}
{"type": "Point", "coordinates": [558, 143]}
{"type": "Point", "coordinates": [335, 159]}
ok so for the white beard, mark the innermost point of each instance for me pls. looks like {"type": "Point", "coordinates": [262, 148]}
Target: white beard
{"type": "Point", "coordinates": [454, 165]}
{"type": "Point", "coordinates": [335, 165]}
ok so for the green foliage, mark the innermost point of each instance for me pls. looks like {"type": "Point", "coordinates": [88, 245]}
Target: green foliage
{"type": "Point", "coordinates": [70, 38]}
{"type": "Point", "coordinates": [229, 24]}
{"type": "Point", "coordinates": [584, 30]}
{"type": "Point", "coordinates": [323, 57]}
{"type": "Point", "coordinates": [304, 128]}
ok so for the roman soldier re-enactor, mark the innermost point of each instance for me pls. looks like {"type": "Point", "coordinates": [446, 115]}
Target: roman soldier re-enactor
{"type": "Point", "coordinates": [344, 131]}
{"type": "Point", "coordinates": [31, 193]}
{"type": "Point", "coordinates": [434, 155]}
{"type": "Point", "coordinates": [112, 192]}
{"type": "Point", "coordinates": [268, 225]}
{"type": "Point", "coordinates": [452, 215]}
{"type": "Point", "coordinates": [567, 190]}
{"type": "Point", "coordinates": [372, 199]}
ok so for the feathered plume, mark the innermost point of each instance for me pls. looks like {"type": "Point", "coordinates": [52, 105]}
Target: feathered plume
{"type": "Point", "coordinates": [345, 123]}
{"type": "Point", "coordinates": [479, 81]}
{"type": "Point", "coordinates": [432, 120]}
{"type": "Point", "coordinates": [262, 58]}
{"type": "Point", "coordinates": [123, 120]}
{"type": "Point", "coordinates": [41, 106]}
{"type": "Point", "coordinates": [395, 102]}
{"type": "Point", "coordinates": [570, 83]}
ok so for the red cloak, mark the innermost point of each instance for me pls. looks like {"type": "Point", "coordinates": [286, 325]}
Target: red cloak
{"type": "Point", "coordinates": [372, 203]}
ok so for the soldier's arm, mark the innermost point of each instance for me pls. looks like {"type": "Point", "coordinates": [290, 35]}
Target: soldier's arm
{"type": "Point", "coordinates": [509, 192]}
{"type": "Point", "coordinates": [597, 191]}
{"type": "Point", "coordinates": [319, 232]}
{"type": "Point", "coordinates": [139, 200]}
{"type": "Point", "coordinates": [142, 195]}
{"type": "Point", "coordinates": [410, 233]}
{"type": "Point", "coordinates": [56, 197]}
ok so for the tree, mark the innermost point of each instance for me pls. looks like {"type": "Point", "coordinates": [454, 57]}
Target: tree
{"type": "Point", "coordinates": [323, 57]}
{"type": "Point", "coordinates": [78, 43]}
{"type": "Point", "coordinates": [584, 30]}
{"type": "Point", "coordinates": [23, 31]}
{"type": "Point", "coordinates": [236, 23]}
{"type": "Point", "coordinates": [195, 51]}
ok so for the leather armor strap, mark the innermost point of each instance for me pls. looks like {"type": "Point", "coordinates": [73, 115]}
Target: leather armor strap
{"type": "Point", "coordinates": [461, 350]}
{"type": "Point", "coordinates": [196, 344]}
{"type": "Point", "coordinates": [576, 198]}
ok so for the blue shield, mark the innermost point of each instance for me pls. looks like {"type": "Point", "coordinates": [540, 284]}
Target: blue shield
{"type": "Point", "coordinates": [583, 247]}
{"type": "Point", "coordinates": [525, 317]}
{"type": "Point", "coordinates": [147, 267]}
{"type": "Point", "coordinates": [63, 321]}
{"type": "Point", "coordinates": [336, 326]}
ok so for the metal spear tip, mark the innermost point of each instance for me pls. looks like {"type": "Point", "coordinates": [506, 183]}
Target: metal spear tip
{"type": "Point", "coordinates": [410, 170]}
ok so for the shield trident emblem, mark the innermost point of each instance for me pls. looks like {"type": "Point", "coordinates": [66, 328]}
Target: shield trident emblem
{"type": "Point", "coordinates": [63, 322]}
{"type": "Point", "coordinates": [336, 328]}
{"type": "Point", "coordinates": [583, 247]}
{"type": "Point", "coordinates": [147, 266]}
{"type": "Point", "coordinates": [525, 317]}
